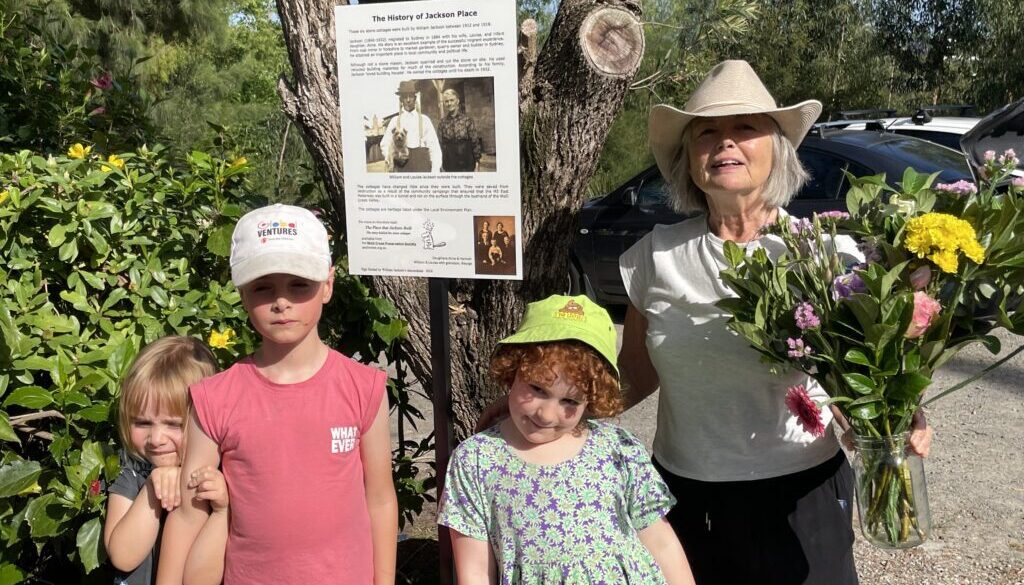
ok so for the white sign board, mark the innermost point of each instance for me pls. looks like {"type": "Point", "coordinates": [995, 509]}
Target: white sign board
{"type": "Point", "coordinates": [430, 132]}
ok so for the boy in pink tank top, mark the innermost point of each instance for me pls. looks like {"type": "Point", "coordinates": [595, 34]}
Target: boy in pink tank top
{"type": "Point", "coordinates": [300, 431]}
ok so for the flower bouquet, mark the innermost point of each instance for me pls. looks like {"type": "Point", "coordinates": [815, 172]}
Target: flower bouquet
{"type": "Point", "coordinates": [940, 266]}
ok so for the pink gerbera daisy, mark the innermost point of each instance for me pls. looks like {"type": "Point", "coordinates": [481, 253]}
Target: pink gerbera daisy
{"type": "Point", "coordinates": [805, 410]}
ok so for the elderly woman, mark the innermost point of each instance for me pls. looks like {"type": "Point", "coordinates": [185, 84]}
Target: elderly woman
{"type": "Point", "coordinates": [760, 500]}
{"type": "Point", "coordinates": [461, 145]}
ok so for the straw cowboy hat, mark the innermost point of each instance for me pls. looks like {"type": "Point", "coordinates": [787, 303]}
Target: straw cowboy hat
{"type": "Point", "coordinates": [730, 88]}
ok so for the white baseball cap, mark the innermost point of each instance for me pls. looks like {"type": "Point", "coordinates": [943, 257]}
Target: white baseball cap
{"type": "Point", "coordinates": [279, 239]}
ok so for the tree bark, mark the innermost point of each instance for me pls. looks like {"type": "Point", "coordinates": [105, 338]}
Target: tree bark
{"type": "Point", "coordinates": [570, 94]}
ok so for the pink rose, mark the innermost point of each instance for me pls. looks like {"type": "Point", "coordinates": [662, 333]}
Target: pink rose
{"type": "Point", "coordinates": [920, 277]}
{"type": "Point", "coordinates": [925, 311]}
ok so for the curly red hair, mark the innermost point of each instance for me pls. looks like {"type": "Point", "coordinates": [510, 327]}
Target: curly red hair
{"type": "Point", "coordinates": [590, 374]}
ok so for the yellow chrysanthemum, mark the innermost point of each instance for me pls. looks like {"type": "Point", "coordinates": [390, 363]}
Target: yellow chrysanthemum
{"type": "Point", "coordinates": [114, 161]}
{"type": "Point", "coordinates": [222, 339]}
{"type": "Point", "coordinates": [939, 237]}
{"type": "Point", "coordinates": [79, 151]}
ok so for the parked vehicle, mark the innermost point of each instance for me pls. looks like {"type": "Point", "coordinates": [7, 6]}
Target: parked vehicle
{"type": "Point", "coordinates": [608, 226]}
{"type": "Point", "coordinates": [944, 130]}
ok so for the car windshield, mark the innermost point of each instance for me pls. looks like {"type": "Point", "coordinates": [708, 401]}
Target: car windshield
{"type": "Point", "coordinates": [926, 157]}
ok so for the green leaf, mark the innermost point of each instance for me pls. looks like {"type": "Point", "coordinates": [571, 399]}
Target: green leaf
{"type": "Point", "coordinates": [88, 542]}
{"type": "Point", "coordinates": [733, 254]}
{"type": "Point", "coordinates": [29, 397]}
{"type": "Point", "coordinates": [92, 457]}
{"type": "Point", "coordinates": [95, 413]}
{"type": "Point", "coordinates": [865, 309]}
{"type": "Point", "coordinates": [16, 476]}
{"type": "Point", "coordinates": [856, 356]}
{"type": "Point", "coordinates": [7, 431]}
{"type": "Point", "coordinates": [44, 516]}
{"type": "Point", "coordinates": [991, 343]}
{"type": "Point", "coordinates": [906, 387]}
{"type": "Point", "coordinates": [58, 234]}
{"type": "Point", "coordinates": [10, 574]}
{"type": "Point", "coordinates": [219, 240]}
{"type": "Point", "coordinates": [159, 296]}
{"type": "Point", "coordinates": [389, 332]}
{"type": "Point", "coordinates": [865, 408]}
{"type": "Point", "coordinates": [69, 251]}
{"type": "Point", "coordinates": [860, 383]}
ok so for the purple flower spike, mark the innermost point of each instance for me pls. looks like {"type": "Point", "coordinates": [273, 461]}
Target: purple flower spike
{"type": "Point", "coordinates": [958, 188]}
{"type": "Point", "coordinates": [837, 215]}
{"type": "Point", "coordinates": [805, 317]}
{"type": "Point", "coordinates": [797, 348]}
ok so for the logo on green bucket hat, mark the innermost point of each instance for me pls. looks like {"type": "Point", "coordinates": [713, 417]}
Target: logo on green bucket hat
{"type": "Point", "coordinates": [560, 317]}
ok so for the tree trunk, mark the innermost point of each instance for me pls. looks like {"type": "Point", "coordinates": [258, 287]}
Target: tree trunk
{"type": "Point", "coordinates": [569, 96]}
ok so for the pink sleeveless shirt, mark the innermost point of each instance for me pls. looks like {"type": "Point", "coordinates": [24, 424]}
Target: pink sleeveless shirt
{"type": "Point", "coordinates": [290, 456]}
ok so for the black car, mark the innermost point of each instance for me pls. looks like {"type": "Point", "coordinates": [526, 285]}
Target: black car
{"type": "Point", "coordinates": [608, 226]}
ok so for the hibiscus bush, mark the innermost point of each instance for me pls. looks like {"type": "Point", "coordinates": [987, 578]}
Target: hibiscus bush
{"type": "Point", "coordinates": [53, 92]}
{"type": "Point", "coordinates": [102, 253]}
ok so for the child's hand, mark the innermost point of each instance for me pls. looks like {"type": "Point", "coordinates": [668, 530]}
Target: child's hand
{"type": "Point", "coordinates": [163, 482]}
{"type": "Point", "coordinates": [210, 486]}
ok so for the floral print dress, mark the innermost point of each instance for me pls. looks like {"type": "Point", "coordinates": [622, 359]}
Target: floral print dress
{"type": "Point", "coordinates": [571, 523]}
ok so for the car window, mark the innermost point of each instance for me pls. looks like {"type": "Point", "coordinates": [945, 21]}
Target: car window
{"type": "Point", "coordinates": [653, 192]}
{"type": "Point", "coordinates": [927, 157]}
{"type": "Point", "coordinates": [947, 139]}
{"type": "Point", "coordinates": [827, 180]}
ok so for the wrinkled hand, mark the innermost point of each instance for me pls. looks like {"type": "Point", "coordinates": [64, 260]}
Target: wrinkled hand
{"type": "Point", "coordinates": [492, 414]}
{"type": "Point", "coordinates": [210, 486]}
{"type": "Point", "coordinates": [920, 434]}
{"type": "Point", "coordinates": [163, 482]}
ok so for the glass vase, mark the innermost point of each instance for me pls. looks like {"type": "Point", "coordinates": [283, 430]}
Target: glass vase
{"type": "Point", "coordinates": [892, 497]}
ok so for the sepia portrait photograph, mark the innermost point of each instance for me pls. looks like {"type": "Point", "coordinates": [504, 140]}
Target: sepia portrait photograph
{"type": "Point", "coordinates": [432, 126]}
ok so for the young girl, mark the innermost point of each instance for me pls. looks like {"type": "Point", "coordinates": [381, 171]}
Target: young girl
{"type": "Point", "coordinates": [152, 411]}
{"type": "Point", "coordinates": [545, 496]}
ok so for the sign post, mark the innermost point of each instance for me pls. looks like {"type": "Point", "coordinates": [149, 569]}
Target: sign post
{"type": "Point", "coordinates": [429, 96]}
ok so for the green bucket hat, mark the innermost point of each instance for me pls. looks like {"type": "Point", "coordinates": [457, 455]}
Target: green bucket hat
{"type": "Point", "coordinates": [560, 317]}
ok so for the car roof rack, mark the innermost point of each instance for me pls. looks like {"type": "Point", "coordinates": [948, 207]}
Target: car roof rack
{"type": "Point", "coordinates": [823, 129]}
{"type": "Point", "coordinates": [924, 114]}
{"type": "Point", "coordinates": [866, 114]}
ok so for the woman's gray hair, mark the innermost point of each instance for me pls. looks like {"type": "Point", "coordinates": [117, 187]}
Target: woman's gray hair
{"type": "Point", "coordinates": [785, 179]}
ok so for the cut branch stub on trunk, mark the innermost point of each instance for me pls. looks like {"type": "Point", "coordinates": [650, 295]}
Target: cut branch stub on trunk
{"type": "Point", "coordinates": [613, 40]}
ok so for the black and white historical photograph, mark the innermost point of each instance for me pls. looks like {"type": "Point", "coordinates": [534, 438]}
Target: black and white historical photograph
{"type": "Point", "coordinates": [432, 126]}
{"type": "Point", "coordinates": [494, 246]}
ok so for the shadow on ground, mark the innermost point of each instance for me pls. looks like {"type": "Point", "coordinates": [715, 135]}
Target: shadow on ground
{"type": "Point", "coordinates": [417, 562]}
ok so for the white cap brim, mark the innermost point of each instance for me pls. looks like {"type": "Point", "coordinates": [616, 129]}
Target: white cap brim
{"type": "Point", "coordinates": [304, 265]}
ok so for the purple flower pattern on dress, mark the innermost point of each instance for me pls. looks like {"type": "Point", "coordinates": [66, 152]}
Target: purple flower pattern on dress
{"type": "Point", "coordinates": [574, 522]}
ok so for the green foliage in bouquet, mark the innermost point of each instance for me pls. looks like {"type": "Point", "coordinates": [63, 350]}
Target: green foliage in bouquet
{"type": "Point", "coordinates": [940, 266]}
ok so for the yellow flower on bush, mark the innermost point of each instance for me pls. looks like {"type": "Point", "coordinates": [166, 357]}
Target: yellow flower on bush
{"type": "Point", "coordinates": [939, 237]}
{"type": "Point", "coordinates": [79, 151]}
{"type": "Point", "coordinates": [114, 161]}
{"type": "Point", "coordinates": [240, 161]}
{"type": "Point", "coordinates": [222, 339]}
